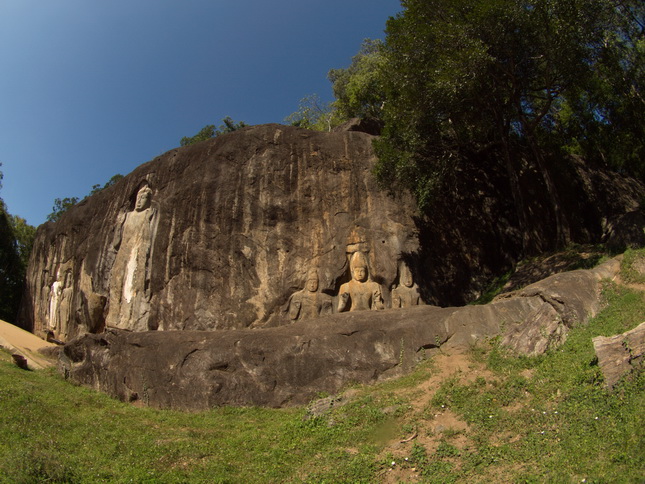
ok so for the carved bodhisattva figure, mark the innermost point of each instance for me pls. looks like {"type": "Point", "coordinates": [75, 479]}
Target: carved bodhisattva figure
{"type": "Point", "coordinates": [406, 294]}
{"type": "Point", "coordinates": [129, 302]}
{"type": "Point", "coordinates": [309, 303]}
{"type": "Point", "coordinates": [55, 296]}
{"type": "Point", "coordinates": [361, 293]}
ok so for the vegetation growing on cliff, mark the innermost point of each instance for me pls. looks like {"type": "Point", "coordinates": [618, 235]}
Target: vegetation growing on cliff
{"type": "Point", "coordinates": [210, 131]}
{"type": "Point", "coordinates": [62, 205]}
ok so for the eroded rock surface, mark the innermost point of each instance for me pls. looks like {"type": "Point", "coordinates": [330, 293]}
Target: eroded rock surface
{"type": "Point", "coordinates": [222, 234]}
{"type": "Point", "coordinates": [219, 235]}
{"type": "Point", "coordinates": [568, 298]}
{"type": "Point", "coordinates": [288, 365]}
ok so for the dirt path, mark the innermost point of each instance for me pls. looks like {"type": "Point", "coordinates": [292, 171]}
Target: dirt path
{"type": "Point", "coordinates": [21, 342]}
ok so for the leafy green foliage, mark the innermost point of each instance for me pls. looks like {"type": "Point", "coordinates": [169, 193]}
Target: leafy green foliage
{"type": "Point", "coordinates": [313, 113]}
{"type": "Point", "coordinates": [62, 205]}
{"type": "Point", "coordinates": [11, 269]}
{"type": "Point", "coordinates": [524, 80]}
{"type": "Point", "coordinates": [16, 241]}
{"type": "Point", "coordinates": [359, 88]}
{"type": "Point", "coordinates": [602, 120]}
{"type": "Point", "coordinates": [209, 131]}
{"type": "Point", "coordinates": [97, 188]}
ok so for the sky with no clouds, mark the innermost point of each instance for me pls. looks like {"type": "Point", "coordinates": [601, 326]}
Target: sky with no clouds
{"type": "Point", "coordinates": [92, 88]}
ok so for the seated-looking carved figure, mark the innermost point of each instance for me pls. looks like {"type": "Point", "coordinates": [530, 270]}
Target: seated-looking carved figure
{"type": "Point", "coordinates": [359, 294]}
{"type": "Point", "coordinates": [309, 303]}
{"type": "Point", "coordinates": [406, 294]}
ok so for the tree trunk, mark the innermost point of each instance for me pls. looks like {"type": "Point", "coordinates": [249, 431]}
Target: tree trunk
{"type": "Point", "coordinates": [518, 199]}
{"type": "Point", "coordinates": [563, 229]}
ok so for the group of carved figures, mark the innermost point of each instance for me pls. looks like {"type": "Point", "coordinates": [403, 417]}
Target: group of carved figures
{"type": "Point", "coordinates": [359, 294]}
{"type": "Point", "coordinates": [129, 297]}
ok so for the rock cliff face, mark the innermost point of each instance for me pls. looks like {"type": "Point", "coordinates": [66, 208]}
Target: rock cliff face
{"type": "Point", "coordinates": [219, 235]}
{"type": "Point", "coordinates": [268, 225]}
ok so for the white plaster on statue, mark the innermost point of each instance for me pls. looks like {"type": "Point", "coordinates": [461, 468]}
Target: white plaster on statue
{"type": "Point", "coordinates": [65, 305]}
{"type": "Point", "coordinates": [54, 302]}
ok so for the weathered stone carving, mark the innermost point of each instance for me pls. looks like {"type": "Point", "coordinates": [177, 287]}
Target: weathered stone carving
{"type": "Point", "coordinates": [55, 295]}
{"type": "Point", "coordinates": [290, 365]}
{"type": "Point", "coordinates": [309, 303]}
{"type": "Point", "coordinates": [360, 293]}
{"type": "Point", "coordinates": [406, 294]}
{"type": "Point", "coordinates": [129, 302]}
{"type": "Point", "coordinates": [65, 304]}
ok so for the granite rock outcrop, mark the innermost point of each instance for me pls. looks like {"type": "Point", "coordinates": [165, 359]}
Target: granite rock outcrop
{"type": "Point", "coordinates": [290, 365]}
{"type": "Point", "coordinates": [218, 235]}
{"type": "Point", "coordinates": [225, 234]}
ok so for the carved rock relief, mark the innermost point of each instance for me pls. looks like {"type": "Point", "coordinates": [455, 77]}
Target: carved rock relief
{"type": "Point", "coordinates": [406, 293]}
{"type": "Point", "coordinates": [361, 293]}
{"type": "Point", "coordinates": [309, 303]}
{"type": "Point", "coordinates": [129, 293]}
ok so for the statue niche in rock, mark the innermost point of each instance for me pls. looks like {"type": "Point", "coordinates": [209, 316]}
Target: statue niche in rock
{"type": "Point", "coordinates": [129, 301]}
{"type": "Point", "coordinates": [406, 294]}
{"type": "Point", "coordinates": [309, 303]}
{"type": "Point", "coordinates": [361, 293]}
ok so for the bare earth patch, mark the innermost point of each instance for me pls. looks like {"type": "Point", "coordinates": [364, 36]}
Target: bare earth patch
{"type": "Point", "coordinates": [18, 341]}
{"type": "Point", "coordinates": [431, 425]}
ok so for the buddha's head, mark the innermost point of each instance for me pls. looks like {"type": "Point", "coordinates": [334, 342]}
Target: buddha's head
{"type": "Point", "coordinates": [312, 280]}
{"type": "Point", "coordinates": [406, 276]}
{"type": "Point", "coordinates": [358, 267]}
{"type": "Point", "coordinates": [144, 197]}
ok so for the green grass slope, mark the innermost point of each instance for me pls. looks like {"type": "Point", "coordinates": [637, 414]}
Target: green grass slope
{"type": "Point", "coordinates": [543, 419]}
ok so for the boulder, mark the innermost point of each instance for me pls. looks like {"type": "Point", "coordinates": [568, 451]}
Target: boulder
{"type": "Point", "coordinates": [569, 298]}
{"type": "Point", "coordinates": [620, 355]}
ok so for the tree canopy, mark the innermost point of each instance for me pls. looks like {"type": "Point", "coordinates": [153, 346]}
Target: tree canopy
{"type": "Point", "coordinates": [359, 88]}
{"type": "Point", "coordinates": [16, 241]}
{"type": "Point", "coordinates": [313, 113]}
{"type": "Point", "coordinates": [527, 78]}
{"type": "Point", "coordinates": [62, 205]}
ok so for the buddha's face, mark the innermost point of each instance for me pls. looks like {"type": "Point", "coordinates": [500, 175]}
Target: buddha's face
{"type": "Point", "coordinates": [143, 200]}
{"type": "Point", "coordinates": [360, 273]}
{"type": "Point", "coordinates": [312, 284]}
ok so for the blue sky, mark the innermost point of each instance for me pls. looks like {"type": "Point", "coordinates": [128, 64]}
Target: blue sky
{"type": "Point", "coordinates": [92, 88]}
